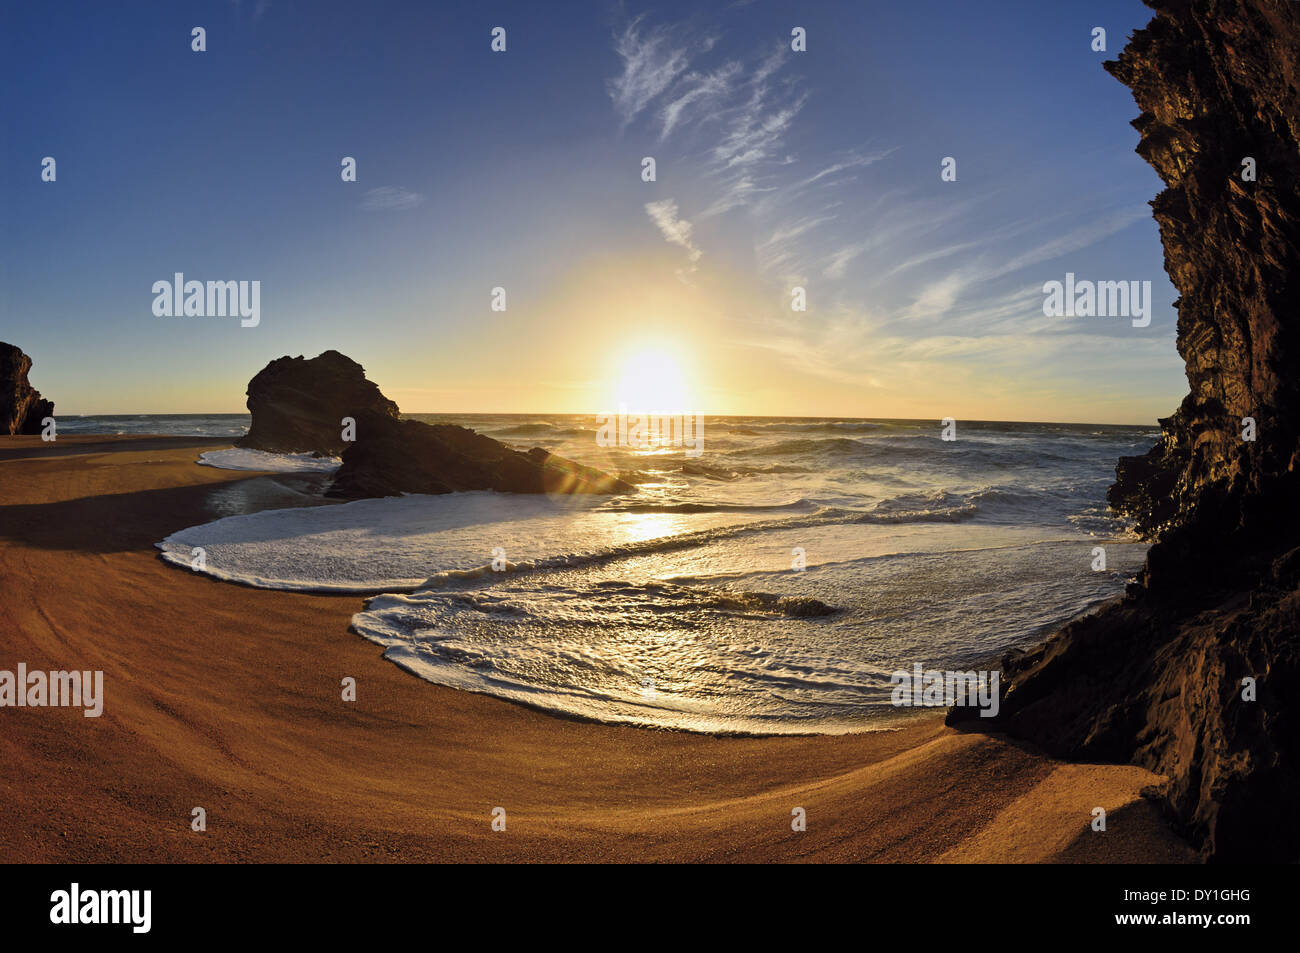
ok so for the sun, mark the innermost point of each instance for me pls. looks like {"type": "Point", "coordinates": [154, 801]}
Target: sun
{"type": "Point", "coordinates": [651, 380]}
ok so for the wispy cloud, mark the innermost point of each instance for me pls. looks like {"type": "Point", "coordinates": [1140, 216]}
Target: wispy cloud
{"type": "Point", "coordinates": [1078, 238]}
{"type": "Point", "coordinates": [259, 8]}
{"type": "Point", "coordinates": [731, 122]}
{"type": "Point", "coordinates": [697, 94]}
{"type": "Point", "coordinates": [747, 110]}
{"type": "Point", "coordinates": [938, 298]}
{"type": "Point", "coordinates": [390, 198]}
{"type": "Point", "coordinates": [751, 150]}
{"type": "Point", "coordinates": [676, 230]}
{"type": "Point", "coordinates": [781, 247]}
{"type": "Point", "coordinates": [854, 161]}
{"type": "Point", "coordinates": [653, 57]}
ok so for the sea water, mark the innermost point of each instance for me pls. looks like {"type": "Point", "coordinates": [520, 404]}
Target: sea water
{"type": "Point", "coordinates": [770, 585]}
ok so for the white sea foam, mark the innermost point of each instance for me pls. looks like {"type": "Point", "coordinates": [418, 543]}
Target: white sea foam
{"type": "Point", "coordinates": [397, 543]}
{"type": "Point", "coordinates": [747, 651]}
{"type": "Point", "coordinates": [261, 461]}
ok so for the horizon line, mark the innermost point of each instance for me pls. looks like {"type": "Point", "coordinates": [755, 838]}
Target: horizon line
{"type": "Point", "coordinates": [1155, 425]}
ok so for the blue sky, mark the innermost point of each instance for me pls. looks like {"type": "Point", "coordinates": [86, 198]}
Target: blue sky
{"type": "Point", "coordinates": [522, 170]}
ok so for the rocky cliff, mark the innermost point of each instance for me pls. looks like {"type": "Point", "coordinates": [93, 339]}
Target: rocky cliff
{"type": "Point", "coordinates": [21, 406]}
{"type": "Point", "coordinates": [1196, 673]}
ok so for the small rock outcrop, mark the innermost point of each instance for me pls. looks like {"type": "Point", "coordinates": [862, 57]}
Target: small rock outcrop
{"type": "Point", "coordinates": [298, 405]}
{"type": "Point", "coordinates": [1195, 674]}
{"type": "Point", "coordinates": [391, 457]}
{"type": "Point", "coordinates": [21, 407]}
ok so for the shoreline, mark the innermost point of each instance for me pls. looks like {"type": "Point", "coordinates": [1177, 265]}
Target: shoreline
{"type": "Point", "coordinates": [227, 698]}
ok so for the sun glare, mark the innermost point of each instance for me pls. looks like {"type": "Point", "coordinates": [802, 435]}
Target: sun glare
{"type": "Point", "coordinates": [651, 380]}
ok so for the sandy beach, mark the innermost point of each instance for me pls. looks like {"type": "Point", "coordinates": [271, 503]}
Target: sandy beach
{"type": "Point", "coordinates": [227, 698]}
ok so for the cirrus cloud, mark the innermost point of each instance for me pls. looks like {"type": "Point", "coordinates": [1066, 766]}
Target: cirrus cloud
{"type": "Point", "coordinates": [390, 198]}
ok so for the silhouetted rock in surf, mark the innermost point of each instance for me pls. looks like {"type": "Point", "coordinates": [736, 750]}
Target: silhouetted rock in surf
{"type": "Point", "coordinates": [298, 406]}
{"type": "Point", "coordinates": [1161, 677]}
{"type": "Point", "coordinates": [21, 407]}
{"type": "Point", "coordinates": [391, 457]}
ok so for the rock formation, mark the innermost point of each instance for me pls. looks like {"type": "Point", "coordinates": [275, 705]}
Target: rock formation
{"type": "Point", "coordinates": [391, 457]}
{"type": "Point", "coordinates": [21, 406]}
{"type": "Point", "coordinates": [1161, 677]}
{"type": "Point", "coordinates": [298, 405]}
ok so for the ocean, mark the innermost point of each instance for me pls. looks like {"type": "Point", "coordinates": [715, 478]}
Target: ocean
{"type": "Point", "coordinates": [771, 585]}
